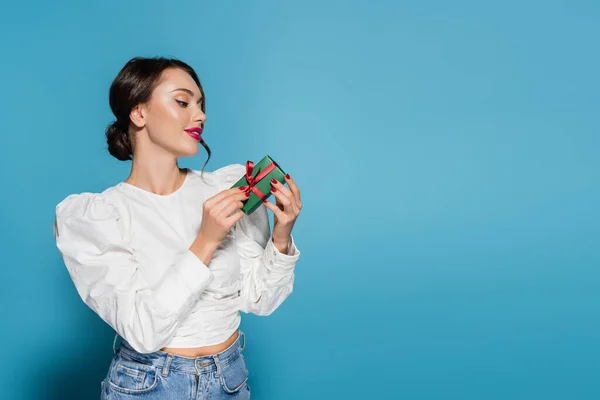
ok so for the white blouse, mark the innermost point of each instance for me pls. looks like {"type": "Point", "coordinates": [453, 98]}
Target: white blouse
{"type": "Point", "coordinates": [127, 252]}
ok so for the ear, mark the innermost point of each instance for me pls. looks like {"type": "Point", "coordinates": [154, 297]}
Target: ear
{"type": "Point", "coordinates": [138, 116]}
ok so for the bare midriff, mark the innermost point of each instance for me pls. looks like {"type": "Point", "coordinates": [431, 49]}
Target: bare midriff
{"type": "Point", "coordinates": [204, 350]}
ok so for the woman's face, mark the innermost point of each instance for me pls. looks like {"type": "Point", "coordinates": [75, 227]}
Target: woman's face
{"type": "Point", "coordinates": [175, 105]}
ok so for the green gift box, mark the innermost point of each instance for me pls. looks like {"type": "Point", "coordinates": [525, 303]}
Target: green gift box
{"type": "Point", "coordinates": [258, 179]}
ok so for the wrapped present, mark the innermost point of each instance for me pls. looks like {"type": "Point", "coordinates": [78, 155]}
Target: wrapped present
{"type": "Point", "coordinates": [258, 182]}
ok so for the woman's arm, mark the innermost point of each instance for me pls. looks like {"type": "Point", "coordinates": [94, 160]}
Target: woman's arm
{"type": "Point", "coordinates": [108, 278]}
{"type": "Point", "coordinates": [267, 273]}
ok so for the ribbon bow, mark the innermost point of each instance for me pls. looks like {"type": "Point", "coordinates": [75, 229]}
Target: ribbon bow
{"type": "Point", "coordinates": [253, 180]}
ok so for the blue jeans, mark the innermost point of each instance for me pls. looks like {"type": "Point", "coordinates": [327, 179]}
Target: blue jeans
{"type": "Point", "coordinates": [162, 375]}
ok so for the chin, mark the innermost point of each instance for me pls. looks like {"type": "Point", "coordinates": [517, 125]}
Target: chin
{"type": "Point", "coordinates": [186, 148]}
{"type": "Point", "coordinates": [188, 151]}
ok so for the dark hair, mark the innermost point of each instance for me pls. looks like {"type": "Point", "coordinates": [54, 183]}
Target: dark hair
{"type": "Point", "coordinates": [133, 85]}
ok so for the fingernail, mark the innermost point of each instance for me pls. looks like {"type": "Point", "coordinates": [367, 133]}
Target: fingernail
{"type": "Point", "coordinates": [264, 200]}
{"type": "Point", "coordinates": [273, 180]}
{"type": "Point", "coordinates": [273, 189]}
{"type": "Point", "coordinates": [287, 176]}
{"type": "Point", "coordinates": [241, 187]}
{"type": "Point", "coordinates": [247, 194]}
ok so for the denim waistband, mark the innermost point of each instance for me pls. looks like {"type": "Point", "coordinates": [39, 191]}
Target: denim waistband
{"type": "Point", "coordinates": [193, 365]}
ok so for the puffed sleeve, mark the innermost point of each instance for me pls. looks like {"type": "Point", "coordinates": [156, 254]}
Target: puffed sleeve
{"type": "Point", "coordinates": [90, 235]}
{"type": "Point", "coordinates": [267, 274]}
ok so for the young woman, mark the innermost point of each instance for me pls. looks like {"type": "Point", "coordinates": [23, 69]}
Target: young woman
{"type": "Point", "coordinates": [166, 257]}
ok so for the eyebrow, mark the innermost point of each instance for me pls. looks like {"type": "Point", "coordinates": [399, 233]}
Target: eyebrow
{"type": "Point", "coordinates": [187, 91]}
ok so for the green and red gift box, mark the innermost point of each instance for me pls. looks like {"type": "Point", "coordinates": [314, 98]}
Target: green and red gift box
{"type": "Point", "coordinates": [258, 181]}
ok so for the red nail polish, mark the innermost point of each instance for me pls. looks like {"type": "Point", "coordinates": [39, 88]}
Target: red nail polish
{"type": "Point", "coordinates": [273, 189]}
{"type": "Point", "coordinates": [273, 180]}
{"type": "Point", "coordinates": [264, 200]}
{"type": "Point", "coordinates": [241, 187]}
{"type": "Point", "coordinates": [287, 176]}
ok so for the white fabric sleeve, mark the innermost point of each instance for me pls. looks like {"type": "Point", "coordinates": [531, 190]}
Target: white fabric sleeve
{"type": "Point", "coordinates": [267, 274]}
{"type": "Point", "coordinates": [90, 235]}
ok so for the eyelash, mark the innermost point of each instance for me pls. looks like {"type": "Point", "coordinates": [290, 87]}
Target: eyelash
{"type": "Point", "coordinates": [184, 104]}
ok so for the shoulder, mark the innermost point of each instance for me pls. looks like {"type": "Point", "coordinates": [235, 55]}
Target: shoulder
{"type": "Point", "coordinates": [224, 176]}
{"type": "Point", "coordinates": [90, 212]}
{"type": "Point", "coordinates": [89, 222]}
{"type": "Point", "coordinates": [230, 172]}
{"type": "Point", "coordinates": [96, 203]}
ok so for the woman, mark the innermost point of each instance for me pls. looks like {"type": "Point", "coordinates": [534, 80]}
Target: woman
{"type": "Point", "coordinates": [167, 257]}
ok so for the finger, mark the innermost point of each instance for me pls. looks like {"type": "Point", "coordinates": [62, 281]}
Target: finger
{"type": "Point", "coordinates": [276, 210]}
{"type": "Point", "coordinates": [233, 198]}
{"type": "Point", "coordinates": [288, 200]}
{"type": "Point", "coordinates": [235, 217]}
{"type": "Point", "coordinates": [218, 209]}
{"type": "Point", "coordinates": [294, 188]}
{"type": "Point", "coordinates": [281, 187]}
{"type": "Point", "coordinates": [287, 193]}
{"type": "Point", "coordinates": [229, 209]}
{"type": "Point", "coordinates": [217, 198]}
{"type": "Point", "coordinates": [279, 203]}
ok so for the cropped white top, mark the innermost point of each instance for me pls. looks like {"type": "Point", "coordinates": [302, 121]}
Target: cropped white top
{"type": "Point", "coordinates": [127, 252]}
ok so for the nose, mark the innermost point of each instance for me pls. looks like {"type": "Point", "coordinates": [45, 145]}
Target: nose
{"type": "Point", "coordinates": [199, 115]}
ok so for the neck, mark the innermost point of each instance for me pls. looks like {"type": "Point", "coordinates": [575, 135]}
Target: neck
{"type": "Point", "coordinates": [159, 175]}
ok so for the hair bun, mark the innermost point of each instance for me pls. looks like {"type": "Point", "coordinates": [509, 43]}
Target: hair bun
{"type": "Point", "coordinates": [118, 142]}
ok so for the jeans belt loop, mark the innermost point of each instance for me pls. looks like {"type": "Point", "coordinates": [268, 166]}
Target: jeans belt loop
{"type": "Point", "coordinates": [115, 343]}
{"type": "Point", "coordinates": [167, 365]}
{"type": "Point", "coordinates": [243, 337]}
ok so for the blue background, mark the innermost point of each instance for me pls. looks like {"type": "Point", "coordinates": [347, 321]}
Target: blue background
{"type": "Point", "coordinates": [448, 159]}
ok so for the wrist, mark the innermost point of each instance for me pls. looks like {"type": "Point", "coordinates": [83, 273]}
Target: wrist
{"type": "Point", "coordinates": [203, 248]}
{"type": "Point", "coordinates": [281, 244]}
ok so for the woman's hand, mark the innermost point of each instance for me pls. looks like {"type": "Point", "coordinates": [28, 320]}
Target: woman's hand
{"type": "Point", "coordinates": [220, 213]}
{"type": "Point", "coordinates": [286, 210]}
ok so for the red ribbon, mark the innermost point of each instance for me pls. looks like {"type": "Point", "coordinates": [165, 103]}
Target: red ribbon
{"type": "Point", "coordinates": [253, 180]}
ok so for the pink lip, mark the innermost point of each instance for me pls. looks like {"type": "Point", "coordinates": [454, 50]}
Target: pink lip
{"type": "Point", "coordinates": [194, 132]}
